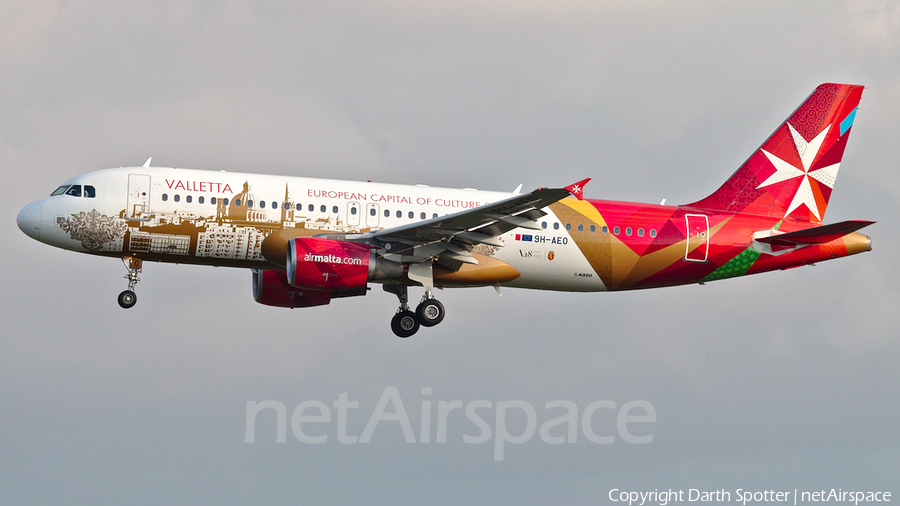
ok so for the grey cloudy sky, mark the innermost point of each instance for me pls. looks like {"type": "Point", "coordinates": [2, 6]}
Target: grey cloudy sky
{"type": "Point", "coordinates": [778, 381]}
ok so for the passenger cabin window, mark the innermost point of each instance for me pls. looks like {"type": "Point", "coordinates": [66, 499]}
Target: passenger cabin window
{"type": "Point", "coordinates": [212, 200]}
{"type": "Point", "coordinates": [275, 205]}
{"type": "Point", "coordinates": [89, 191]}
{"type": "Point", "coordinates": [59, 191]}
{"type": "Point", "coordinates": [412, 215]}
{"type": "Point", "coordinates": [311, 208]}
{"type": "Point", "coordinates": [334, 209]}
{"type": "Point", "coordinates": [422, 216]}
{"type": "Point", "coordinates": [399, 214]}
{"type": "Point", "coordinates": [176, 198]}
{"type": "Point", "coordinates": [74, 190]}
{"type": "Point", "coordinates": [200, 199]}
{"type": "Point", "coordinates": [556, 226]}
{"type": "Point", "coordinates": [225, 201]}
{"type": "Point", "coordinates": [237, 202]}
{"type": "Point", "coordinates": [322, 208]}
{"type": "Point", "coordinates": [188, 199]}
{"type": "Point", "coordinates": [165, 197]}
{"type": "Point", "coordinates": [387, 214]}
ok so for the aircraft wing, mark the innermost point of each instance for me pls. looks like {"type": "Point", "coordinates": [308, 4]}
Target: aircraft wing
{"type": "Point", "coordinates": [452, 238]}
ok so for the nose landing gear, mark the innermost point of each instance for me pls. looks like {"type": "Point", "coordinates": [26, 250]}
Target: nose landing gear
{"type": "Point", "coordinates": [128, 298]}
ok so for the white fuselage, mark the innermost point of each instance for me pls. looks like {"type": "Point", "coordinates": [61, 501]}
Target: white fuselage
{"type": "Point", "coordinates": [221, 218]}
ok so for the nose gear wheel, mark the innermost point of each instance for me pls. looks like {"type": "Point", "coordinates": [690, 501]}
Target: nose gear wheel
{"type": "Point", "coordinates": [128, 299]}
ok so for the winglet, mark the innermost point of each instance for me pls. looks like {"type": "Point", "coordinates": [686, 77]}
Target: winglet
{"type": "Point", "coordinates": [147, 163]}
{"type": "Point", "coordinates": [577, 189]}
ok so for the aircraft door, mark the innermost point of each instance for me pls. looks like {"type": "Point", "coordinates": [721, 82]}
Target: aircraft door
{"type": "Point", "coordinates": [371, 215]}
{"type": "Point", "coordinates": [353, 212]}
{"type": "Point", "coordinates": [697, 237]}
{"type": "Point", "coordinates": [138, 204]}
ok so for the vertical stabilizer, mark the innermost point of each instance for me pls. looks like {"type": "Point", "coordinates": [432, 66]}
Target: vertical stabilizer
{"type": "Point", "coordinates": [792, 174]}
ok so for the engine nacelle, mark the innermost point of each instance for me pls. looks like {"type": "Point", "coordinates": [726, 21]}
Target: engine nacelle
{"type": "Point", "coordinates": [314, 263]}
{"type": "Point", "coordinates": [272, 289]}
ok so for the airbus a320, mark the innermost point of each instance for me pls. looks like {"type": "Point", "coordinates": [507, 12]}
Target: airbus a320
{"type": "Point", "coordinates": [308, 241]}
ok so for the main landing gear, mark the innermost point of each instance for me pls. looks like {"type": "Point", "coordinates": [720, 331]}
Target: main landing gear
{"type": "Point", "coordinates": [405, 322]}
{"type": "Point", "coordinates": [128, 299]}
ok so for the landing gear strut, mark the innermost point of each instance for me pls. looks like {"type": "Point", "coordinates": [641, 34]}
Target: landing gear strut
{"type": "Point", "coordinates": [128, 299]}
{"type": "Point", "coordinates": [405, 322]}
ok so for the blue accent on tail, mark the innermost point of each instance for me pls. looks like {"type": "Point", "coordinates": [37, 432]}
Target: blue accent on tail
{"type": "Point", "coordinates": [848, 121]}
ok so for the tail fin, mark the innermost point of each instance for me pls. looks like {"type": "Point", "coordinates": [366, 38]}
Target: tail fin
{"type": "Point", "coordinates": [792, 174]}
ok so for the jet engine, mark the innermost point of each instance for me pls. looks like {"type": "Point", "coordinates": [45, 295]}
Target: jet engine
{"type": "Point", "coordinates": [316, 263]}
{"type": "Point", "coordinates": [325, 264]}
{"type": "Point", "coordinates": [271, 288]}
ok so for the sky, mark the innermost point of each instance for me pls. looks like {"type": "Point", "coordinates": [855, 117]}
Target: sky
{"type": "Point", "coordinates": [779, 381]}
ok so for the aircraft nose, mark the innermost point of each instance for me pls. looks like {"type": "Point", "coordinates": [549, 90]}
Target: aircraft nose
{"type": "Point", "coordinates": [29, 220]}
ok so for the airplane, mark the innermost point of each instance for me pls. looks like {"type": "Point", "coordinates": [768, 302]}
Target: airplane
{"type": "Point", "coordinates": [308, 241]}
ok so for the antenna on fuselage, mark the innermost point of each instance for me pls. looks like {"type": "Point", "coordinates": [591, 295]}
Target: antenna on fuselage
{"type": "Point", "coordinates": [147, 163]}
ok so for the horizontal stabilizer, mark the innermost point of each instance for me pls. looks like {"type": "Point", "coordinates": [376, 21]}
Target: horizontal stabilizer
{"type": "Point", "coordinates": [815, 235]}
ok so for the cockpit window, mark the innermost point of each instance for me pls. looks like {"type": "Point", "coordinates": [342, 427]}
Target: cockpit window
{"type": "Point", "coordinates": [89, 191]}
{"type": "Point", "coordinates": [59, 191]}
{"type": "Point", "coordinates": [74, 190]}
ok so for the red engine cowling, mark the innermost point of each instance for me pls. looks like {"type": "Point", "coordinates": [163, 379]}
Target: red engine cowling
{"type": "Point", "coordinates": [314, 263]}
{"type": "Point", "coordinates": [272, 289]}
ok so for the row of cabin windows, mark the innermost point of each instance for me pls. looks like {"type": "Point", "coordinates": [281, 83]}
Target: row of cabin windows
{"type": "Point", "coordinates": [237, 202]}
{"type": "Point", "coordinates": [372, 211]}
{"type": "Point", "coordinates": [399, 214]}
{"type": "Point", "coordinates": [75, 190]}
{"type": "Point", "coordinates": [299, 207]}
{"type": "Point", "coordinates": [604, 229]}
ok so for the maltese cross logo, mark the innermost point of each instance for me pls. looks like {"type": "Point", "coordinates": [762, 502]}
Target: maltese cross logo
{"type": "Point", "coordinates": [785, 171]}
